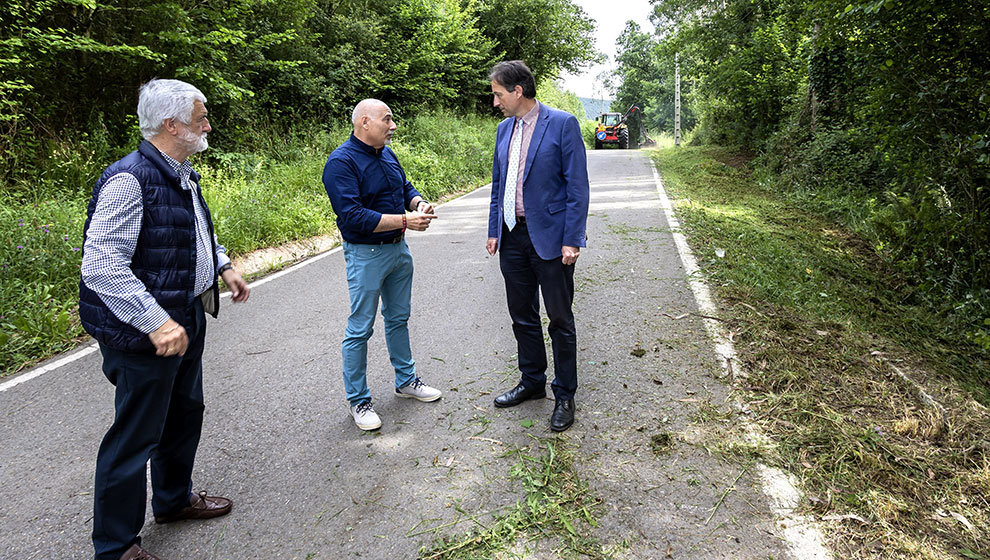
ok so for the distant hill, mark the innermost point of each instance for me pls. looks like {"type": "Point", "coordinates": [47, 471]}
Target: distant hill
{"type": "Point", "coordinates": [595, 107]}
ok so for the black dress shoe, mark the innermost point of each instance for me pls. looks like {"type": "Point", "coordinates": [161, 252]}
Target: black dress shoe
{"type": "Point", "coordinates": [518, 394]}
{"type": "Point", "coordinates": [563, 415]}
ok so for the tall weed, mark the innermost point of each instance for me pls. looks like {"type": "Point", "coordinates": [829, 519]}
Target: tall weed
{"type": "Point", "coordinates": [838, 173]}
{"type": "Point", "coordinates": [39, 272]}
{"type": "Point", "coordinates": [829, 337]}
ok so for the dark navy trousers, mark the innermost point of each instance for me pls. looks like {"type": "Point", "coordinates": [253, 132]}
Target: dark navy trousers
{"type": "Point", "coordinates": [526, 275]}
{"type": "Point", "coordinates": [159, 416]}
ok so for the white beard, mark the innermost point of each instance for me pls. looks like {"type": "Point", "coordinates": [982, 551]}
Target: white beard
{"type": "Point", "coordinates": [196, 143]}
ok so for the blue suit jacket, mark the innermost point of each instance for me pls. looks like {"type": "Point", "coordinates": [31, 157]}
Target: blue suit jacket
{"type": "Point", "coordinates": [555, 183]}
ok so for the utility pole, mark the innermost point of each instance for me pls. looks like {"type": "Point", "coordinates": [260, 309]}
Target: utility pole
{"type": "Point", "coordinates": [677, 100]}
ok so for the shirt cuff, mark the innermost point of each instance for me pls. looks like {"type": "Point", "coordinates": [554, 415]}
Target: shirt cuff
{"type": "Point", "coordinates": [222, 259]}
{"type": "Point", "coordinates": [151, 320]}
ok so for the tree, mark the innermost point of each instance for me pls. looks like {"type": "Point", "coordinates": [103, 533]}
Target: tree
{"type": "Point", "coordinates": [877, 99]}
{"type": "Point", "coordinates": [551, 36]}
{"type": "Point", "coordinates": [70, 70]}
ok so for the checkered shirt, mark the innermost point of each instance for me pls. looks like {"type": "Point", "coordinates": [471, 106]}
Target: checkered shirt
{"type": "Point", "coordinates": [112, 240]}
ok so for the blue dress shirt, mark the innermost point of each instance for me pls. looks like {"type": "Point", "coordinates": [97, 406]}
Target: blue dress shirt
{"type": "Point", "coordinates": [363, 183]}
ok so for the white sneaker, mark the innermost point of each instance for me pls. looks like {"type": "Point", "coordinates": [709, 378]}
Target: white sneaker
{"type": "Point", "coordinates": [365, 416]}
{"type": "Point", "coordinates": [419, 391]}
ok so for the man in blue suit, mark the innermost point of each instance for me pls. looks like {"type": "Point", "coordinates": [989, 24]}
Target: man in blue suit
{"type": "Point", "coordinates": [536, 222]}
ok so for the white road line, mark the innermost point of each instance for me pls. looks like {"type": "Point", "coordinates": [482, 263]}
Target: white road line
{"type": "Point", "coordinates": [799, 532]}
{"type": "Point", "coordinates": [292, 268]}
{"type": "Point", "coordinates": [93, 346]}
{"type": "Point", "coordinates": [39, 371]}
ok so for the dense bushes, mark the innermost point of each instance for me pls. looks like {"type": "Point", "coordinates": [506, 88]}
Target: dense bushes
{"type": "Point", "coordinates": [873, 111]}
{"type": "Point", "coordinates": [70, 71]}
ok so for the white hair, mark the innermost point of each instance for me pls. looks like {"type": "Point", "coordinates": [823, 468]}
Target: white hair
{"type": "Point", "coordinates": [165, 99]}
{"type": "Point", "coordinates": [363, 107]}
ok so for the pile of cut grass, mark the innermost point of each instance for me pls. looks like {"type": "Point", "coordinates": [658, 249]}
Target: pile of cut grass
{"type": "Point", "coordinates": [875, 403]}
{"type": "Point", "coordinates": [555, 512]}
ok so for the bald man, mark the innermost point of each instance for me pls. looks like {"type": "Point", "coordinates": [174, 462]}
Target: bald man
{"type": "Point", "coordinates": [375, 203]}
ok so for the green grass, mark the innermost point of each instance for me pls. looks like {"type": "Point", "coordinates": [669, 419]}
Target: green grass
{"type": "Point", "coordinates": [557, 511]}
{"type": "Point", "coordinates": [264, 204]}
{"type": "Point", "coordinates": [443, 154]}
{"type": "Point", "coordinates": [257, 199]}
{"type": "Point", "coordinates": [39, 275]}
{"type": "Point", "coordinates": [821, 323]}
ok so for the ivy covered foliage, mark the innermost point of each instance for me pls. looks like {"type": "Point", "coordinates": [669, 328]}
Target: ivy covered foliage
{"type": "Point", "coordinates": [875, 112]}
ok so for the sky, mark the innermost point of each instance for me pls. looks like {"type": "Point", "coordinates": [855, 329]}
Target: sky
{"type": "Point", "coordinates": [611, 16]}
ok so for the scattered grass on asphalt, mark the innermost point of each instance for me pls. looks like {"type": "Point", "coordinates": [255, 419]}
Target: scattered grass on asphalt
{"type": "Point", "coordinates": [869, 399]}
{"type": "Point", "coordinates": [554, 517]}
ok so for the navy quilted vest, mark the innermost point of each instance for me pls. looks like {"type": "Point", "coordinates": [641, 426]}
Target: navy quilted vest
{"type": "Point", "coordinates": [165, 257]}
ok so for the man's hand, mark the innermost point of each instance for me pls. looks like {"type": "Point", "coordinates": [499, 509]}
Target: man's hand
{"type": "Point", "coordinates": [425, 207]}
{"type": "Point", "coordinates": [239, 289]}
{"type": "Point", "coordinates": [569, 255]}
{"type": "Point", "coordinates": [492, 245]}
{"type": "Point", "coordinates": [419, 221]}
{"type": "Point", "coordinates": [169, 339]}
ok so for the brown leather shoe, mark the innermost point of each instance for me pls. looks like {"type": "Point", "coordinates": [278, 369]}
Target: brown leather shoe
{"type": "Point", "coordinates": [201, 506]}
{"type": "Point", "coordinates": [135, 552]}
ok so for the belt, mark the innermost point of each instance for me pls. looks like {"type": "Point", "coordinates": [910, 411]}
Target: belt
{"type": "Point", "coordinates": [391, 241]}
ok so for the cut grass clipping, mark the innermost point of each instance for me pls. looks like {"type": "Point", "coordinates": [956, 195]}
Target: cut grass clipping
{"type": "Point", "coordinates": [872, 402]}
{"type": "Point", "coordinates": [557, 512]}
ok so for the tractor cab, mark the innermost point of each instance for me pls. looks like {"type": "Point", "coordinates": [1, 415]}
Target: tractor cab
{"type": "Point", "coordinates": [610, 119]}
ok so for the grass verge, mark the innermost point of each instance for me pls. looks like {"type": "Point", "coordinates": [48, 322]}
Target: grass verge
{"type": "Point", "coordinates": [258, 200]}
{"type": "Point", "coordinates": [873, 402]}
{"type": "Point", "coordinates": [554, 515]}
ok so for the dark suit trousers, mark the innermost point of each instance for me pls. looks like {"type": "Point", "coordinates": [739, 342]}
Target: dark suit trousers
{"type": "Point", "coordinates": [526, 275]}
{"type": "Point", "coordinates": [159, 416]}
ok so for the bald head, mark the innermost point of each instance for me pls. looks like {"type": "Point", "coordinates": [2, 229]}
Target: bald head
{"type": "Point", "coordinates": [373, 123]}
{"type": "Point", "coordinates": [367, 108]}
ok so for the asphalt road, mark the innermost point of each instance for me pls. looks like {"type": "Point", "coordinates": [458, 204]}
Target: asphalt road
{"type": "Point", "coordinates": [307, 484]}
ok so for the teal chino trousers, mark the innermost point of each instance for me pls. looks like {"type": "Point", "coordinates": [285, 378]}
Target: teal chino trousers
{"type": "Point", "coordinates": [377, 272]}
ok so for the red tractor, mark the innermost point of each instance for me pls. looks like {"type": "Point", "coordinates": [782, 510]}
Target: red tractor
{"type": "Point", "coordinates": [613, 129]}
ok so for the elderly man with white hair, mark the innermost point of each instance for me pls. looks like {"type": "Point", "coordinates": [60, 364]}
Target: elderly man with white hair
{"type": "Point", "coordinates": [375, 203]}
{"type": "Point", "coordinates": [149, 274]}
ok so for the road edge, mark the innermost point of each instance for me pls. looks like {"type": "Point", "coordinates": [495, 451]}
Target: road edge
{"type": "Point", "coordinates": [799, 532]}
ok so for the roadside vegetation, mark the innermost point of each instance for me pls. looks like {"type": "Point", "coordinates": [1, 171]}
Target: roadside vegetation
{"type": "Point", "coordinates": [876, 400]}
{"type": "Point", "coordinates": [280, 78]}
{"type": "Point", "coordinates": [257, 199]}
{"type": "Point", "coordinates": [874, 112]}
{"type": "Point", "coordinates": [836, 193]}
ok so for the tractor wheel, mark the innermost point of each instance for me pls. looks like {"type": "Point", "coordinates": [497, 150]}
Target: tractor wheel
{"type": "Point", "coordinates": [624, 138]}
{"type": "Point", "coordinates": [598, 144]}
